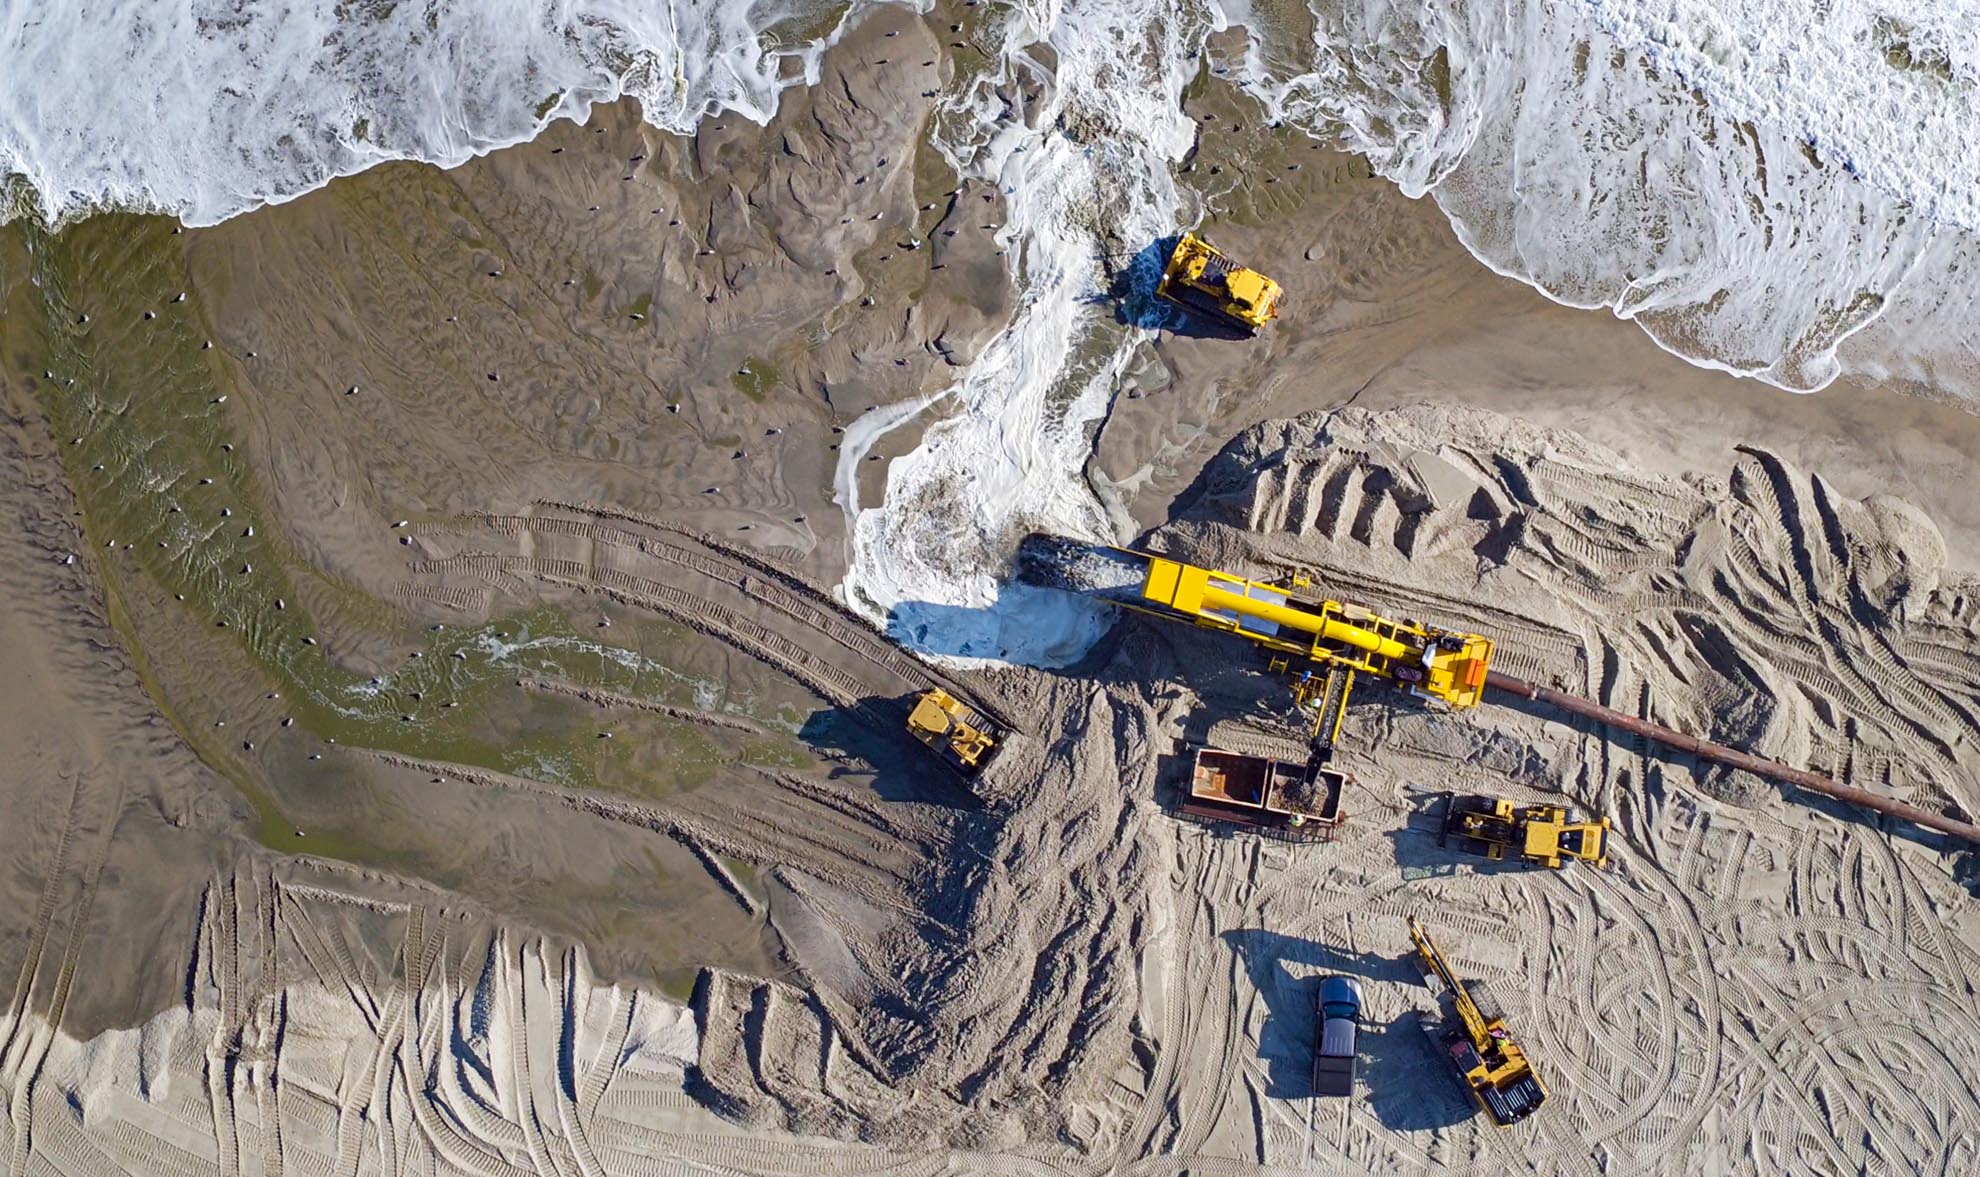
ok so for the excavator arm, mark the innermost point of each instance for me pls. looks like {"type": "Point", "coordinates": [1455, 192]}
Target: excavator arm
{"type": "Point", "coordinates": [1467, 1009]}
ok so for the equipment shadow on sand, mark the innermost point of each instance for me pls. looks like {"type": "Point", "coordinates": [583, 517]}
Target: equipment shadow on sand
{"type": "Point", "coordinates": [870, 739]}
{"type": "Point", "coordinates": [1398, 1071]}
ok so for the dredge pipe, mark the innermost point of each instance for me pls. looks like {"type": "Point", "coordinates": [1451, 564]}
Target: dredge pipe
{"type": "Point", "coordinates": [1311, 624]}
{"type": "Point", "coordinates": [1733, 757]}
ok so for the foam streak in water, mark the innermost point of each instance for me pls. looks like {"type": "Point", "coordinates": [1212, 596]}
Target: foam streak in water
{"type": "Point", "coordinates": [1088, 166]}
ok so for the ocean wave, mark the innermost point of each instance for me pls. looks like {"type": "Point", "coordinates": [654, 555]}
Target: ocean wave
{"type": "Point", "coordinates": [1778, 188]}
{"type": "Point", "coordinates": [208, 108]}
{"type": "Point", "coordinates": [1769, 187]}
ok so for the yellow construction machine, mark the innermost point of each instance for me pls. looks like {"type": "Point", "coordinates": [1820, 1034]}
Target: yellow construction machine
{"type": "Point", "coordinates": [1200, 278]}
{"type": "Point", "coordinates": [963, 739]}
{"type": "Point", "coordinates": [1541, 834]}
{"type": "Point", "coordinates": [1470, 1031]}
{"type": "Point", "coordinates": [1322, 644]}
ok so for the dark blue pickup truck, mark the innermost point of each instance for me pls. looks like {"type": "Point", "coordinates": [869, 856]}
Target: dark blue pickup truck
{"type": "Point", "coordinates": [1339, 1019]}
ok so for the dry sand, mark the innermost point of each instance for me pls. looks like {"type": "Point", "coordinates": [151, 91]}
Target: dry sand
{"type": "Point", "coordinates": [667, 890]}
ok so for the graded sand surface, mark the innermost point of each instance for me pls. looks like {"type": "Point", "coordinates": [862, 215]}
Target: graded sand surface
{"type": "Point", "coordinates": [437, 745]}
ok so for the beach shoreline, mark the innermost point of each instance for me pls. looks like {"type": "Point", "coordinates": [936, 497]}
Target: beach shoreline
{"type": "Point", "coordinates": [435, 603]}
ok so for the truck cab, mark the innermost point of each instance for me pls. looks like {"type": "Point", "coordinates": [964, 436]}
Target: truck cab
{"type": "Point", "coordinates": [1339, 1018]}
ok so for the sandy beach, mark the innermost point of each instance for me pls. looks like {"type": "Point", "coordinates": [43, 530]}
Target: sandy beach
{"type": "Point", "coordinates": [442, 741]}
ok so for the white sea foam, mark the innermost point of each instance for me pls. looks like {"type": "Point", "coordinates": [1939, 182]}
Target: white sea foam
{"type": "Point", "coordinates": [1780, 188]}
{"type": "Point", "coordinates": [1754, 182]}
{"type": "Point", "coordinates": [1723, 174]}
{"type": "Point", "coordinates": [207, 108]}
{"type": "Point", "coordinates": [1088, 164]}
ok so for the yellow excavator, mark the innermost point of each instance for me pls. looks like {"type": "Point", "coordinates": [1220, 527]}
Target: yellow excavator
{"type": "Point", "coordinates": [1322, 644]}
{"type": "Point", "coordinates": [1200, 278]}
{"type": "Point", "coordinates": [964, 739]}
{"type": "Point", "coordinates": [1471, 1032]}
{"type": "Point", "coordinates": [1541, 834]}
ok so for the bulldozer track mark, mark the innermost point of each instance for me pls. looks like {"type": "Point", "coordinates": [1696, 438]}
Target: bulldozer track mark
{"type": "Point", "coordinates": [44, 920]}
{"type": "Point", "coordinates": [222, 1050]}
{"type": "Point", "coordinates": [759, 579]}
{"type": "Point", "coordinates": [1733, 865]}
{"type": "Point", "coordinates": [481, 1134]}
{"type": "Point", "coordinates": [782, 592]}
{"type": "Point", "coordinates": [330, 967]}
{"type": "Point", "coordinates": [876, 882]}
{"type": "Point", "coordinates": [827, 681]}
{"type": "Point", "coordinates": [725, 878]}
{"type": "Point", "coordinates": [268, 1095]}
{"type": "Point", "coordinates": [459, 598]}
{"type": "Point", "coordinates": [74, 1152]}
{"type": "Point", "coordinates": [1840, 1088]}
{"type": "Point", "coordinates": [743, 1155]}
{"type": "Point", "coordinates": [561, 978]}
{"type": "Point", "coordinates": [148, 1153]}
{"type": "Point", "coordinates": [1583, 999]}
{"type": "Point", "coordinates": [599, 1077]}
{"type": "Point", "coordinates": [1219, 1017]}
{"type": "Point", "coordinates": [514, 977]}
{"type": "Point", "coordinates": [1767, 493]}
{"type": "Point", "coordinates": [21, 1060]}
{"type": "Point", "coordinates": [1175, 1037]}
{"type": "Point", "coordinates": [857, 807]}
{"type": "Point", "coordinates": [1236, 736]}
{"type": "Point", "coordinates": [1687, 859]}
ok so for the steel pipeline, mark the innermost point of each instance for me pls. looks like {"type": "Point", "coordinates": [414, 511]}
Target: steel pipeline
{"type": "Point", "coordinates": [1733, 757]}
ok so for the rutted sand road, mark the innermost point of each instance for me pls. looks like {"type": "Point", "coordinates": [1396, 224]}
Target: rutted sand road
{"type": "Point", "coordinates": [1069, 981]}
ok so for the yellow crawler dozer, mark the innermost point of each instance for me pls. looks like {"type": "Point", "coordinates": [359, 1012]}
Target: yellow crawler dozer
{"type": "Point", "coordinates": [963, 739]}
{"type": "Point", "coordinates": [1200, 278]}
{"type": "Point", "coordinates": [1540, 834]}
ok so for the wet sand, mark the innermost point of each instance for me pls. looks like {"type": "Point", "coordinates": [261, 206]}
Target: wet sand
{"type": "Point", "coordinates": [458, 626]}
{"type": "Point", "coordinates": [1384, 307]}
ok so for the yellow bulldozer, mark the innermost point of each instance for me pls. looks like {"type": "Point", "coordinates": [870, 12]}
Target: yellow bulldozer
{"type": "Point", "coordinates": [1543, 835]}
{"type": "Point", "coordinates": [1200, 278]}
{"type": "Point", "coordinates": [964, 739]}
{"type": "Point", "coordinates": [1470, 1030]}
